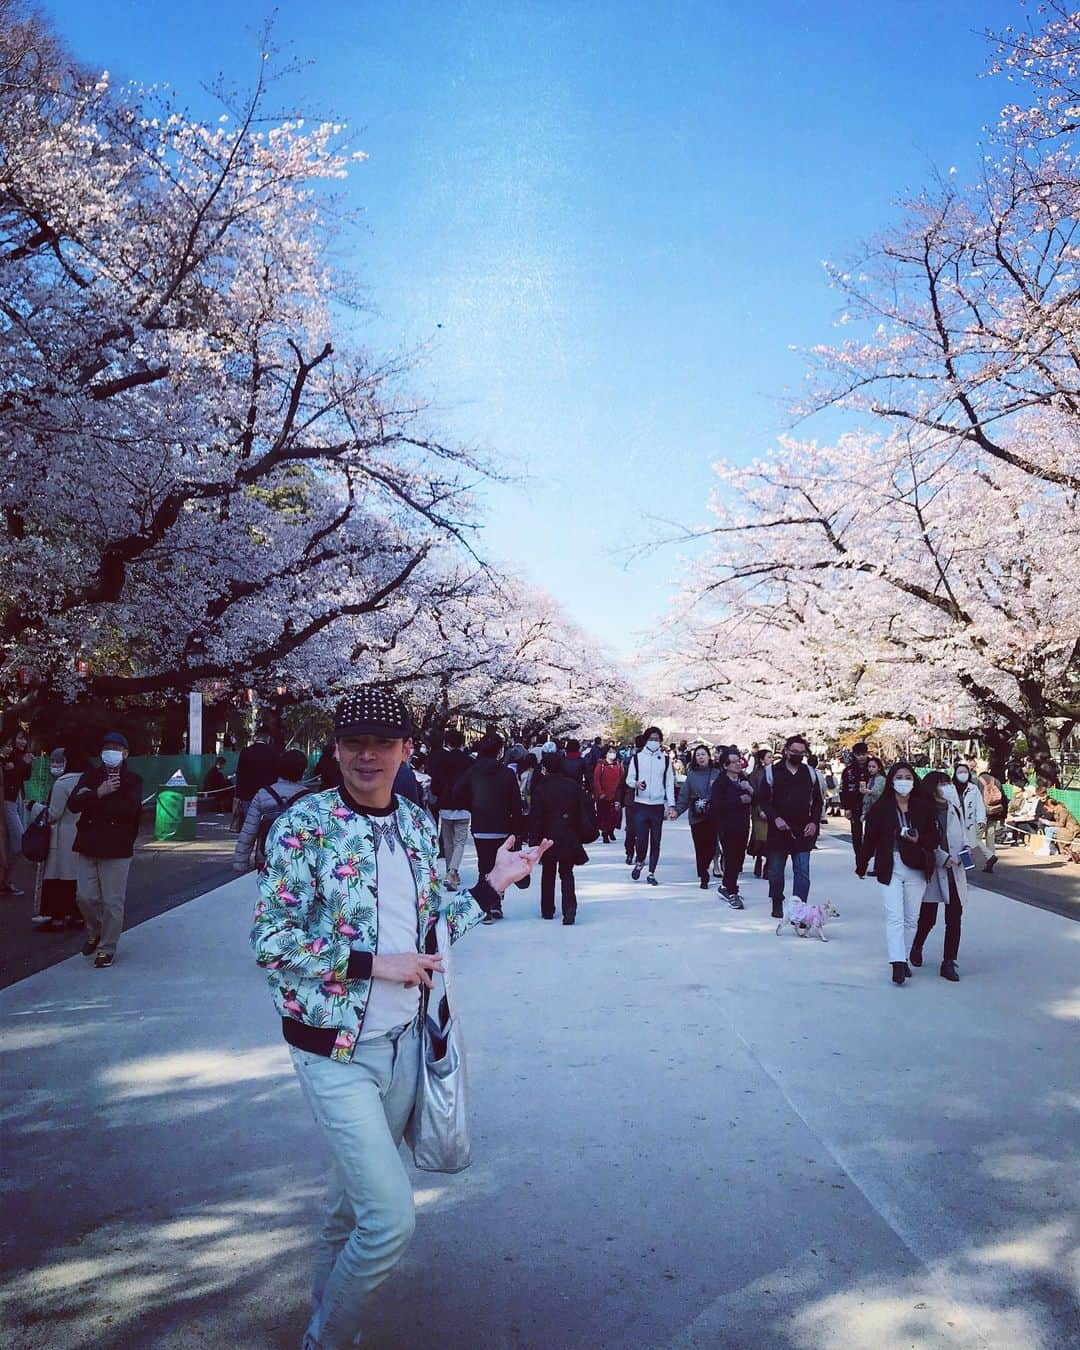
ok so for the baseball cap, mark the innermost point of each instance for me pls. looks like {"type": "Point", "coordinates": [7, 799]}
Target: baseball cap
{"type": "Point", "coordinates": [371, 711]}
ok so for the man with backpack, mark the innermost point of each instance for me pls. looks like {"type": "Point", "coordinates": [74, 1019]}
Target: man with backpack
{"type": "Point", "coordinates": [651, 775]}
{"type": "Point", "coordinates": [267, 804]}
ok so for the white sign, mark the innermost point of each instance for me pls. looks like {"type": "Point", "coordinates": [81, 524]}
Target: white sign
{"type": "Point", "coordinates": [191, 806]}
{"type": "Point", "coordinates": [194, 723]}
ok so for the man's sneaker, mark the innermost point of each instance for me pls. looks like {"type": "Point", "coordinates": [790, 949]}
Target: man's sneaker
{"type": "Point", "coordinates": [636, 873]}
{"type": "Point", "coordinates": [90, 946]}
{"type": "Point", "coordinates": [8, 889]}
{"type": "Point", "coordinates": [629, 860]}
{"type": "Point", "coordinates": [496, 913]}
{"type": "Point", "coordinates": [651, 879]}
{"type": "Point", "coordinates": [735, 900]}
{"type": "Point", "coordinates": [102, 960]}
{"type": "Point", "coordinates": [489, 917]}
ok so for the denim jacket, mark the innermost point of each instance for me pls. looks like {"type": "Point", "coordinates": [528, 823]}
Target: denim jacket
{"type": "Point", "coordinates": [316, 924]}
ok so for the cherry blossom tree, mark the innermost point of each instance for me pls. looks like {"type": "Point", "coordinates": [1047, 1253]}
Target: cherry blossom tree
{"type": "Point", "coordinates": [965, 315]}
{"type": "Point", "coordinates": [873, 578]}
{"type": "Point", "coordinates": [202, 474]}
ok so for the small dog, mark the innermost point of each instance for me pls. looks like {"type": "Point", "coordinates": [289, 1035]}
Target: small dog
{"type": "Point", "coordinates": [806, 919]}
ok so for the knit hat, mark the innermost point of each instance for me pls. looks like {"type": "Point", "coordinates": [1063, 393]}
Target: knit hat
{"type": "Point", "coordinates": [370, 711]}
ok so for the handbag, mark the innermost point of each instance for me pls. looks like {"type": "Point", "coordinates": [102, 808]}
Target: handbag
{"type": "Point", "coordinates": [438, 1129]}
{"type": "Point", "coordinates": [36, 836]}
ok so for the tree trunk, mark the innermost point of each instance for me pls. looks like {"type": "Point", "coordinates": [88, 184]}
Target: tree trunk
{"type": "Point", "coordinates": [997, 744]}
{"type": "Point", "coordinates": [173, 728]}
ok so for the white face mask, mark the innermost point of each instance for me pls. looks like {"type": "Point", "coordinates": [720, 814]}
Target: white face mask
{"type": "Point", "coordinates": [654, 745]}
{"type": "Point", "coordinates": [56, 770]}
{"type": "Point", "coordinates": [611, 757]}
{"type": "Point", "coordinates": [962, 775]}
{"type": "Point", "coordinates": [112, 759]}
{"type": "Point", "coordinates": [903, 787]}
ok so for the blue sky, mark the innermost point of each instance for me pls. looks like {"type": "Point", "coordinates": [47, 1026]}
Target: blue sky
{"type": "Point", "coordinates": [616, 211]}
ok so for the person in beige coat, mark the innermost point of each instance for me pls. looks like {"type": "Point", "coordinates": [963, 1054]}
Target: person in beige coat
{"type": "Point", "coordinates": [55, 907]}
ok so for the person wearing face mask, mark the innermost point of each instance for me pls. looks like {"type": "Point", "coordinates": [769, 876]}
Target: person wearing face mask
{"type": "Point", "coordinates": [900, 838]}
{"type": "Point", "coordinates": [55, 905]}
{"type": "Point", "coordinates": [694, 795]}
{"type": "Point", "coordinates": [607, 778]}
{"type": "Point", "coordinates": [107, 801]}
{"type": "Point", "coordinates": [948, 884]}
{"type": "Point", "coordinates": [729, 807]}
{"type": "Point", "coordinates": [653, 778]}
{"type": "Point", "coordinates": [973, 809]}
{"type": "Point", "coordinates": [792, 806]}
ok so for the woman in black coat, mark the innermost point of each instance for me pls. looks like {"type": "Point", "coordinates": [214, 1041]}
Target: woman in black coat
{"type": "Point", "coordinates": [557, 813]}
{"type": "Point", "coordinates": [901, 833]}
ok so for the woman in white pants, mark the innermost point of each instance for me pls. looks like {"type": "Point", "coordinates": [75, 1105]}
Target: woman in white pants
{"type": "Point", "coordinates": [900, 837]}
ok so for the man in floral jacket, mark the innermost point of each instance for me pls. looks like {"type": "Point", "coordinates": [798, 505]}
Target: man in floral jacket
{"type": "Point", "coordinates": [344, 926]}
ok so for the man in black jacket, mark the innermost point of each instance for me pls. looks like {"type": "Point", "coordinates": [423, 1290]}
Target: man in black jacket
{"type": "Point", "coordinates": [491, 792]}
{"type": "Point", "coordinates": [557, 814]}
{"type": "Point", "coordinates": [256, 768]}
{"type": "Point", "coordinates": [107, 801]}
{"type": "Point", "coordinates": [853, 784]}
{"type": "Point", "coordinates": [792, 807]}
{"type": "Point", "coordinates": [449, 770]}
{"type": "Point", "coordinates": [575, 766]}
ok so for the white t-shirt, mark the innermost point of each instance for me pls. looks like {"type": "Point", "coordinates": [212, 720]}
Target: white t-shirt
{"type": "Point", "coordinates": [392, 1005]}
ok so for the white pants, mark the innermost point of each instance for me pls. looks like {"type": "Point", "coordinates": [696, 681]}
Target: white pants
{"type": "Point", "coordinates": [902, 898]}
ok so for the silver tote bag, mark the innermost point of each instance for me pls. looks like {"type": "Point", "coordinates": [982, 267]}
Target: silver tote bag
{"type": "Point", "coordinates": [438, 1131]}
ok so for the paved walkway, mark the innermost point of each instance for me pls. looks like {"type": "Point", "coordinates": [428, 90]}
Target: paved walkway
{"type": "Point", "coordinates": [688, 1132]}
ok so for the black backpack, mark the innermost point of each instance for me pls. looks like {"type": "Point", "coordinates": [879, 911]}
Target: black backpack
{"type": "Point", "coordinates": [265, 821]}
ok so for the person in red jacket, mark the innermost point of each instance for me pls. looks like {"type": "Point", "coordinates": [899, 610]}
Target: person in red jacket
{"type": "Point", "coordinates": [607, 778]}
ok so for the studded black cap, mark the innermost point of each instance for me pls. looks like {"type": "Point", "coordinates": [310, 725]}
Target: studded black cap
{"type": "Point", "coordinates": [369, 711]}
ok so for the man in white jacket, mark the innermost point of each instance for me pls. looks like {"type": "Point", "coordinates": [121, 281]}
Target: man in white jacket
{"type": "Point", "coordinates": [652, 776]}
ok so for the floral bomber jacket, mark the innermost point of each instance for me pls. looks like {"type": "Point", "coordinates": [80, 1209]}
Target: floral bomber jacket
{"type": "Point", "coordinates": [316, 924]}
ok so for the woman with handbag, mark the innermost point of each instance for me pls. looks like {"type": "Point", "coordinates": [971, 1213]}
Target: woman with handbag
{"type": "Point", "coordinates": [694, 796]}
{"type": "Point", "coordinates": [55, 906]}
{"type": "Point", "coordinates": [900, 837]}
{"type": "Point", "coordinates": [948, 884]}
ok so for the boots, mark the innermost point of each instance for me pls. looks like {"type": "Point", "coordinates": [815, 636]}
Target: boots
{"type": "Point", "coordinates": [915, 955]}
{"type": "Point", "coordinates": [898, 976]}
{"type": "Point", "coordinates": [948, 971]}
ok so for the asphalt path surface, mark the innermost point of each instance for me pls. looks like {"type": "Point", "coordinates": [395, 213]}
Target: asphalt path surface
{"type": "Point", "coordinates": [162, 876]}
{"type": "Point", "coordinates": [688, 1131]}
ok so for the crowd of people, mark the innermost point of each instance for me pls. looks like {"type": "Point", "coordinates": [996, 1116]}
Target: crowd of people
{"type": "Point", "coordinates": [360, 861]}
{"type": "Point", "coordinates": [349, 899]}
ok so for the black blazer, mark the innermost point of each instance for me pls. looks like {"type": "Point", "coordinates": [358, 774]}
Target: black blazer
{"type": "Point", "coordinates": [882, 829]}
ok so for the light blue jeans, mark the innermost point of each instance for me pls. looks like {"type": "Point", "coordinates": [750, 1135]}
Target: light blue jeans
{"type": "Point", "coordinates": [361, 1109]}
